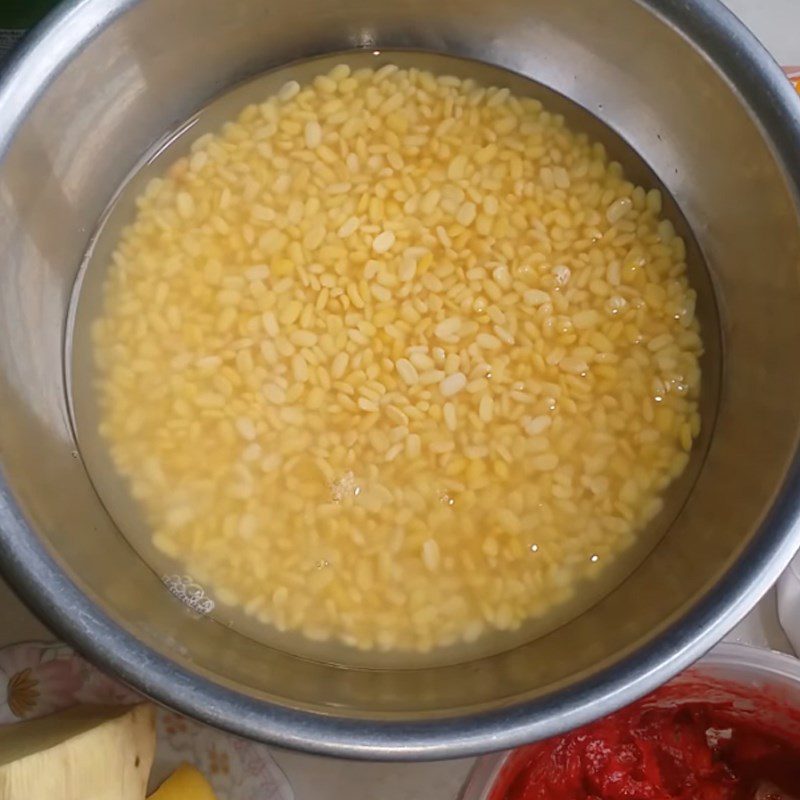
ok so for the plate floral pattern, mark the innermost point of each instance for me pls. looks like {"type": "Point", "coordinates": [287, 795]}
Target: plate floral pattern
{"type": "Point", "coordinates": [38, 678]}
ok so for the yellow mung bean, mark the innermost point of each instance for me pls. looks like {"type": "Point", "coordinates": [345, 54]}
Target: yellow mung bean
{"type": "Point", "coordinates": [394, 359]}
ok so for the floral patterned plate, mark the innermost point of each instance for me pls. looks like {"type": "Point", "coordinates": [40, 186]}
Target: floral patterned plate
{"type": "Point", "coordinates": [39, 678]}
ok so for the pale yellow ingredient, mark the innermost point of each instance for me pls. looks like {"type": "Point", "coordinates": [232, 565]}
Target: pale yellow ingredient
{"type": "Point", "coordinates": [397, 359]}
{"type": "Point", "coordinates": [186, 783]}
{"type": "Point", "coordinates": [83, 753]}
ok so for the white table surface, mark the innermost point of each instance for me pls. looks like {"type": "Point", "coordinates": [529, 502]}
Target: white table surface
{"type": "Point", "coordinates": [777, 24]}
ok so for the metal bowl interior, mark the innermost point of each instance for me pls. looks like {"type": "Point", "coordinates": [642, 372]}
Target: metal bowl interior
{"type": "Point", "coordinates": [87, 299]}
{"type": "Point", "coordinates": [683, 83]}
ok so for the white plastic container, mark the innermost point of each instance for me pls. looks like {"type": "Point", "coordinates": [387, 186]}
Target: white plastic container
{"type": "Point", "coordinates": [731, 673]}
{"type": "Point", "coordinates": [788, 587]}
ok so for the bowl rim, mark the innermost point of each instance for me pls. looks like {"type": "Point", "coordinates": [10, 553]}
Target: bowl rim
{"type": "Point", "coordinates": [32, 569]}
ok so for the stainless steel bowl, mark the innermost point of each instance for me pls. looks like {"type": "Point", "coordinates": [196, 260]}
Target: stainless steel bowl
{"type": "Point", "coordinates": [681, 80]}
